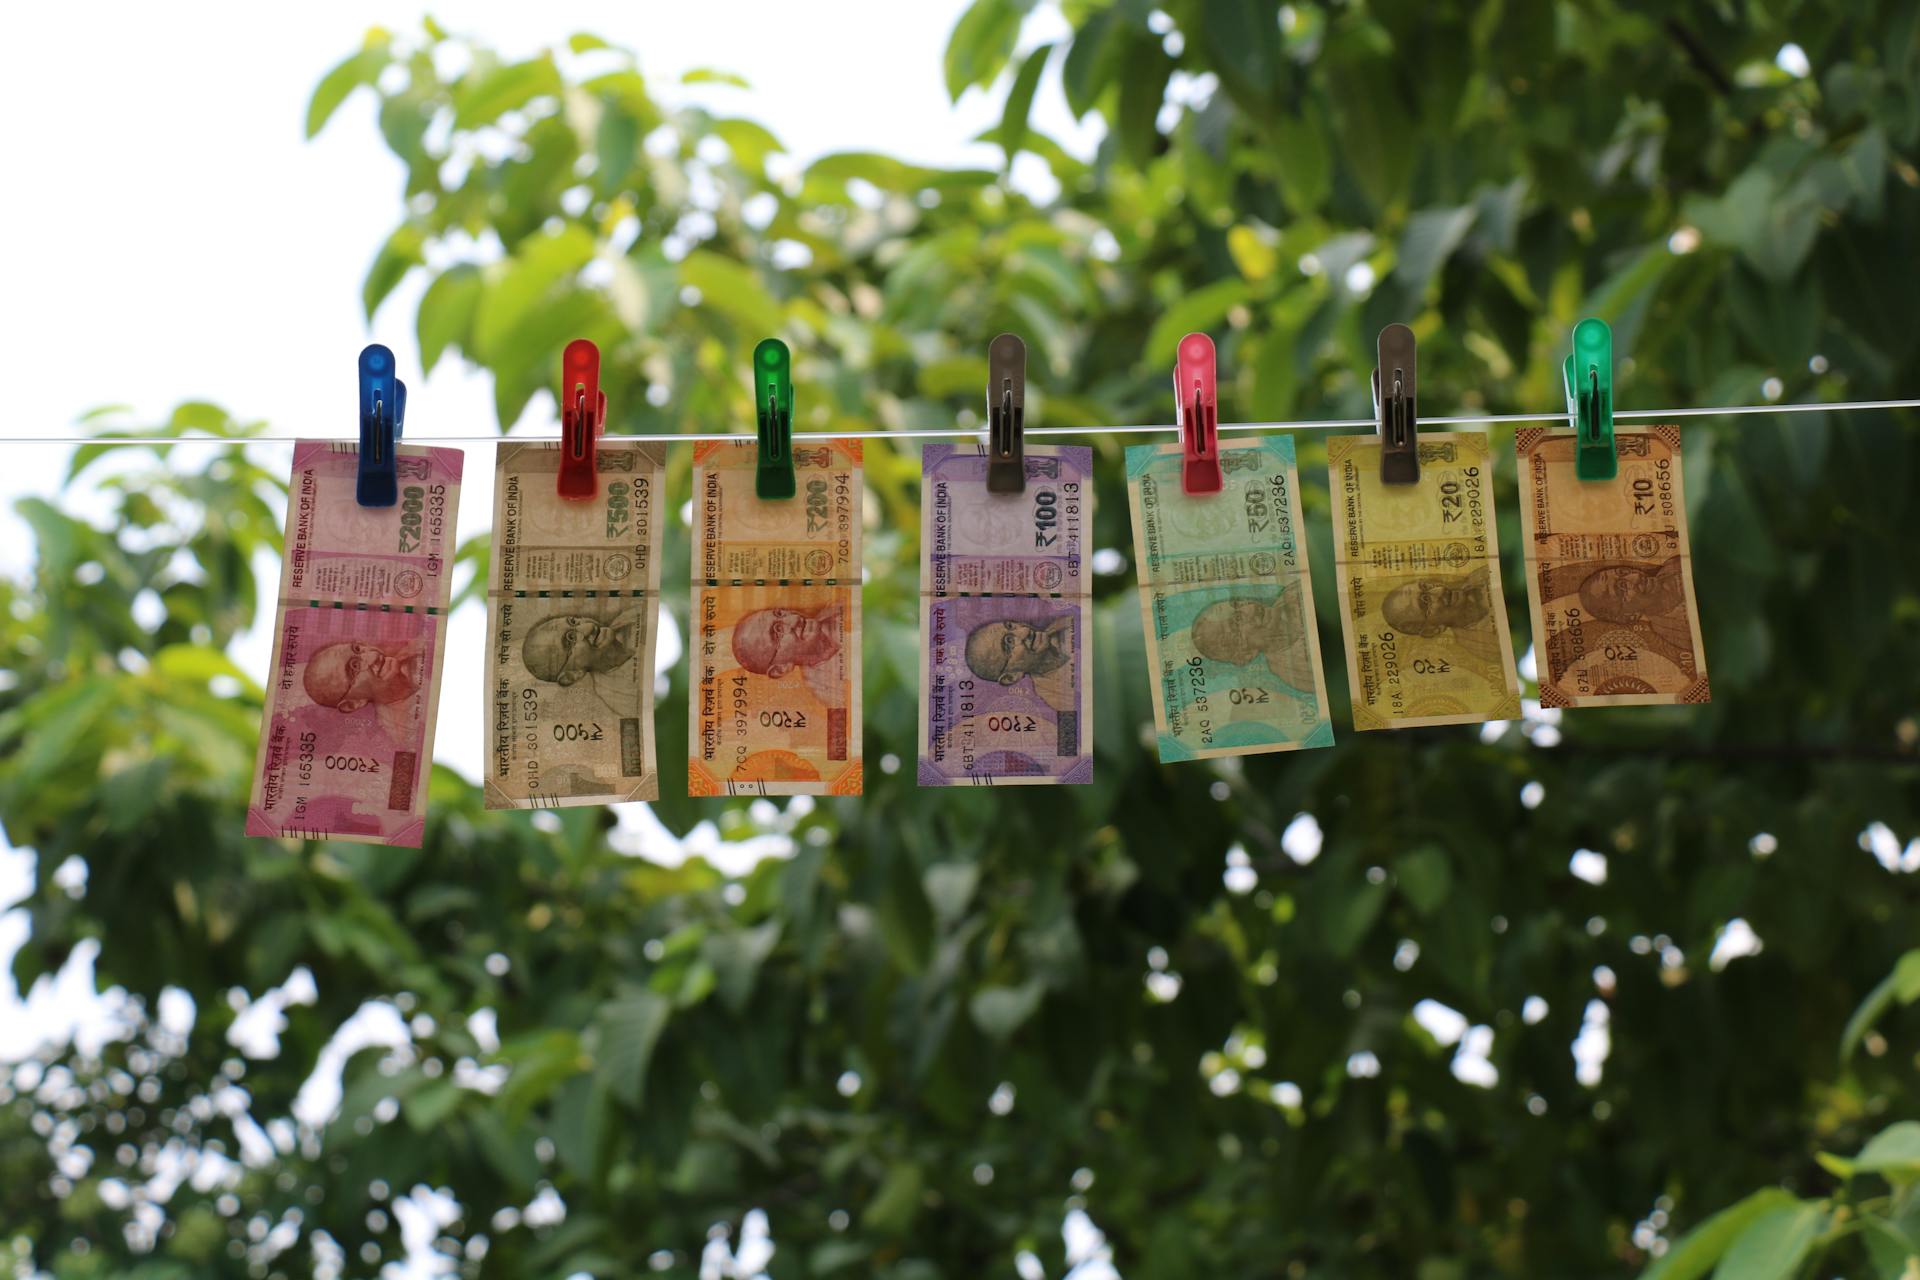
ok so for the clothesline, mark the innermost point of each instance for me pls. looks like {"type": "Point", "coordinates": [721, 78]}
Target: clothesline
{"type": "Point", "coordinates": [951, 433]}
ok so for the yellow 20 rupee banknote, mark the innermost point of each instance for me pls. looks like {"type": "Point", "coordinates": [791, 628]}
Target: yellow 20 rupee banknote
{"type": "Point", "coordinates": [1419, 578]}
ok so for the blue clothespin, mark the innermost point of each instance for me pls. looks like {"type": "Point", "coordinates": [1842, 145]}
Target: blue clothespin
{"type": "Point", "coordinates": [383, 411]}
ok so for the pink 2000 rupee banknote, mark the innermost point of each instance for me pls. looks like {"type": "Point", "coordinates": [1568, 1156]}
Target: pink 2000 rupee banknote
{"type": "Point", "coordinates": [346, 741]}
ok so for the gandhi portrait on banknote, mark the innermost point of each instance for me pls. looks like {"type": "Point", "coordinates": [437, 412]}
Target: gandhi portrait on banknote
{"type": "Point", "coordinates": [569, 647]}
{"type": "Point", "coordinates": [349, 674]}
{"type": "Point", "coordinates": [772, 642]}
{"type": "Point", "coordinates": [1427, 606]}
{"type": "Point", "coordinates": [1648, 600]}
{"type": "Point", "coordinates": [1008, 650]}
{"type": "Point", "coordinates": [1243, 629]}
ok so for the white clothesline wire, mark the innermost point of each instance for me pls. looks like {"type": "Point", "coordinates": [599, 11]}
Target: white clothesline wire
{"type": "Point", "coordinates": [956, 433]}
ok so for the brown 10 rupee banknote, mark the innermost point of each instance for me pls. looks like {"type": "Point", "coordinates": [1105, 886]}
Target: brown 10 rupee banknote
{"type": "Point", "coordinates": [359, 633]}
{"type": "Point", "coordinates": [773, 705]}
{"type": "Point", "coordinates": [1419, 577]}
{"type": "Point", "coordinates": [1610, 573]}
{"type": "Point", "coordinates": [573, 611]}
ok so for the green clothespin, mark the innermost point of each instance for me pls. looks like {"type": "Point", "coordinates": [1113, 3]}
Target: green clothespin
{"type": "Point", "coordinates": [1589, 377]}
{"type": "Point", "coordinates": [773, 405]}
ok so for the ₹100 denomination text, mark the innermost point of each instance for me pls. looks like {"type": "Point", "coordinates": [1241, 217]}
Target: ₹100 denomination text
{"type": "Point", "coordinates": [1610, 573]}
{"type": "Point", "coordinates": [1005, 686]}
{"type": "Point", "coordinates": [346, 741]}
{"type": "Point", "coordinates": [773, 706]}
{"type": "Point", "coordinates": [1233, 654]}
{"type": "Point", "coordinates": [573, 607]}
{"type": "Point", "coordinates": [1419, 578]}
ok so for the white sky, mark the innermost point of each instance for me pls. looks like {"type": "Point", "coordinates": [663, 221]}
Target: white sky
{"type": "Point", "coordinates": [171, 235]}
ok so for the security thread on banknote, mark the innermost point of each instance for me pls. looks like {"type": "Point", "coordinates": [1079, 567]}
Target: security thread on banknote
{"type": "Point", "coordinates": [1419, 580]}
{"type": "Point", "coordinates": [573, 609]}
{"type": "Point", "coordinates": [1610, 573]}
{"type": "Point", "coordinates": [1006, 693]}
{"type": "Point", "coordinates": [1233, 652]}
{"type": "Point", "coordinates": [359, 634]}
{"type": "Point", "coordinates": [774, 701]}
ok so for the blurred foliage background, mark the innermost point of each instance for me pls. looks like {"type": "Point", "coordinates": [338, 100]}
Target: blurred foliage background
{"type": "Point", "coordinates": [929, 1026]}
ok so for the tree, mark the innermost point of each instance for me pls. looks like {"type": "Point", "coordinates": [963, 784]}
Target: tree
{"type": "Point", "coordinates": [1182, 998]}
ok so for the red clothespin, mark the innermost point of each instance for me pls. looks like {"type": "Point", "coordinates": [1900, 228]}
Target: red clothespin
{"type": "Point", "coordinates": [1197, 411]}
{"type": "Point", "coordinates": [583, 412]}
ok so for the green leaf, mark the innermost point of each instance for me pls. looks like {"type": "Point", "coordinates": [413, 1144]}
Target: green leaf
{"type": "Point", "coordinates": [586, 42]}
{"type": "Point", "coordinates": [538, 264]}
{"type": "Point", "coordinates": [1091, 60]}
{"type": "Point", "coordinates": [736, 956]}
{"type": "Point", "coordinates": [1197, 311]}
{"type": "Point", "coordinates": [883, 172]}
{"type": "Point", "coordinates": [404, 250]}
{"type": "Point", "coordinates": [1429, 240]}
{"type": "Point", "coordinates": [999, 1011]}
{"type": "Point", "coordinates": [1425, 877]}
{"type": "Point", "coordinates": [1771, 227]}
{"type": "Point", "coordinates": [483, 96]}
{"type": "Point", "coordinates": [1893, 1153]}
{"type": "Point", "coordinates": [446, 312]}
{"type": "Point", "coordinates": [1303, 156]}
{"type": "Point", "coordinates": [949, 887]}
{"type": "Point", "coordinates": [361, 68]}
{"type": "Point", "coordinates": [427, 1108]}
{"type": "Point", "coordinates": [1694, 1254]}
{"type": "Point", "coordinates": [750, 143]}
{"type": "Point", "coordinates": [1019, 108]}
{"type": "Point", "coordinates": [734, 290]}
{"type": "Point", "coordinates": [1242, 38]}
{"type": "Point", "coordinates": [1903, 984]}
{"type": "Point", "coordinates": [1895, 1254]}
{"type": "Point", "coordinates": [1144, 71]}
{"type": "Point", "coordinates": [981, 43]}
{"type": "Point", "coordinates": [707, 75]}
{"type": "Point", "coordinates": [954, 376]}
{"type": "Point", "coordinates": [629, 1029]}
{"type": "Point", "coordinates": [1252, 252]}
{"type": "Point", "coordinates": [1374, 127]}
{"type": "Point", "coordinates": [1350, 915]}
{"type": "Point", "coordinates": [1774, 1244]}
{"type": "Point", "coordinates": [895, 1202]}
